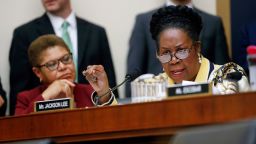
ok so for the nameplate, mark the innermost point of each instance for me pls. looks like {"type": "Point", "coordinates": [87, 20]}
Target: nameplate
{"type": "Point", "coordinates": [56, 104]}
{"type": "Point", "coordinates": [198, 89]}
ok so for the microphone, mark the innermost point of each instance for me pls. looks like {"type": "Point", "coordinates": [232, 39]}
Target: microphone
{"type": "Point", "coordinates": [128, 78]}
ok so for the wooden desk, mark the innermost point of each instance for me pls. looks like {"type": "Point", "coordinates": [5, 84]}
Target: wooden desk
{"type": "Point", "coordinates": [155, 120]}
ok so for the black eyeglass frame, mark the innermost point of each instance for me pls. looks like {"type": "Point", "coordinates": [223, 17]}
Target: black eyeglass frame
{"type": "Point", "coordinates": [62, 60]}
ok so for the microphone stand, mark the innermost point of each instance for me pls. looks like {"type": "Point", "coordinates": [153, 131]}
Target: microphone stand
{"type": "Point", "coordinates": [127, 78]}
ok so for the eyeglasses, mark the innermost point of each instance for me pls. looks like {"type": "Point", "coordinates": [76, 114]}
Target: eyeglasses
{"type": "Point", "coordinates": [180, 55]}
{"type": "Point", "coordinates": [54, 64]}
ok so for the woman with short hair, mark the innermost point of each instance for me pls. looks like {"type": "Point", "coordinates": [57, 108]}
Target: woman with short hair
{"type": "Point", "coordinates": [176, 31]}
{"type": "Point", "coordinates": [52, 62]}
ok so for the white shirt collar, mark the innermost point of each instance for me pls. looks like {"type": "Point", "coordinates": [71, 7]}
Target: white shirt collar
{"type": "Point", "coordinates": [57, 21]}
{"type": "Point", "coordinates": [169, 2]}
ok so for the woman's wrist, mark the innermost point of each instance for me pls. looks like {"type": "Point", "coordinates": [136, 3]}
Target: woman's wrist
{"type": "Point", "coordinates": [102, 100]}
{"type": "Point", "coordinates": [103, 92]}
{"type": "Point", "coordinates": [104, 96]}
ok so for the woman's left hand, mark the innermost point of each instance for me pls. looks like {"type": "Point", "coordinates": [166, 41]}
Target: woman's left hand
{"type": "Point", "coordinates": [98, 79]}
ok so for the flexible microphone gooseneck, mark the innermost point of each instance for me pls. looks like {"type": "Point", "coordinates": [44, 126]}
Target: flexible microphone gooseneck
{"type": "Point", "coordinates": [128, 77]}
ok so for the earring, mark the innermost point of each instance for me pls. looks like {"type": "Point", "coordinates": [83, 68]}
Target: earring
{"type": "Point", "coordinates": [199, 57]}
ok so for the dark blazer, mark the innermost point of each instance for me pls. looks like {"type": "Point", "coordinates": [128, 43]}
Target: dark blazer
{"type": "Point", "coordinates": [247, 37]}
{"type": "Point", "coordinates": [26, 99]}
{"type": "Point", "coordinates": [93, 48]}
{"type": "Point", "coordinates": [3, 94]}
{"type": "Point", "coordinates": [142, 51]}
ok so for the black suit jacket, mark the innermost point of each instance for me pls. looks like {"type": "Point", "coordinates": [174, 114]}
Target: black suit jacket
{"type": "Point", "coordinates": [3, 94]}
{"type": "Point", "coordinates": [93, 48]}
{"type": "Point", "coordinates": [142, 52]}
{"type": "Point", "coordinates": [247, 37]}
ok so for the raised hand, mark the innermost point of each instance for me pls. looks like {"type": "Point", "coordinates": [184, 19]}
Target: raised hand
{"type": "Point", "coordinates": [98, 79]}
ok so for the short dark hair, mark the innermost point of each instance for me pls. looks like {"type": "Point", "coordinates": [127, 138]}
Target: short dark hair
{"type": "Point", "coordinates": [181, 17]}
{"type": "Point", "coordinates": [41, 44]}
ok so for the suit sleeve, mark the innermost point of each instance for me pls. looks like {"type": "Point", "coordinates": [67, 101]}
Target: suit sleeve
{"type": "Point", "coordinates": [221, 48]}
{"type": "Point", "coordinates": [240, 54]}
{"type": "Point", "coordinates": [3, 95]}
{"type": "Point", "coordinates": [137, 51]}
{"type": "Point", "coordinates": [20, 69]}
{"type": "Point", "coordinates": [107, 60]}
{"type": "Point", "coordinates": [137, 47]}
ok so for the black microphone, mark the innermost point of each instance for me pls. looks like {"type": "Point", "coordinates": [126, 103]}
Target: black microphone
{"type": "Point", "coordinates": [128, 78]}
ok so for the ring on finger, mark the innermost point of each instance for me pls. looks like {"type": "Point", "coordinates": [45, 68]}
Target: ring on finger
{"type": "Point", "coordinates": [94, 79]}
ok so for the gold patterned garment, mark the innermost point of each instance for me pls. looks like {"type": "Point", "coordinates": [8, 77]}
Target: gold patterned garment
{"type": "Point", "coordinates": [220, 76]}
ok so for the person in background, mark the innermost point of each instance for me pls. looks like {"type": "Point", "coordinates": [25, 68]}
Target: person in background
{"type": "Point", "coordinates": [176, 31]}
{"type": "Point", "coordinates": [141, 56]}
{"type": "Point", "coordinates": [248, 38]}
{"type": "Point", "coordinates": [3, 100]}
{"type": "Point", "coordinates": [53, 64]}
{"type": "Point", "coordinates": [87, 41]}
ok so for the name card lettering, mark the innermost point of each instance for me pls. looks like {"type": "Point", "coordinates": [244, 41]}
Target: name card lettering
{"type": "Point", "coordinates": [202, 88]}
{"type": "Point", "coordinates": [64, 103]}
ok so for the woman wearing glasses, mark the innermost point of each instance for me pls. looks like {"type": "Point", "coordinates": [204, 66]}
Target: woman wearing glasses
{"type": "Point", "coordinates": [53, 64]}
{"type": "Point", "coordinates": [176, 31]}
